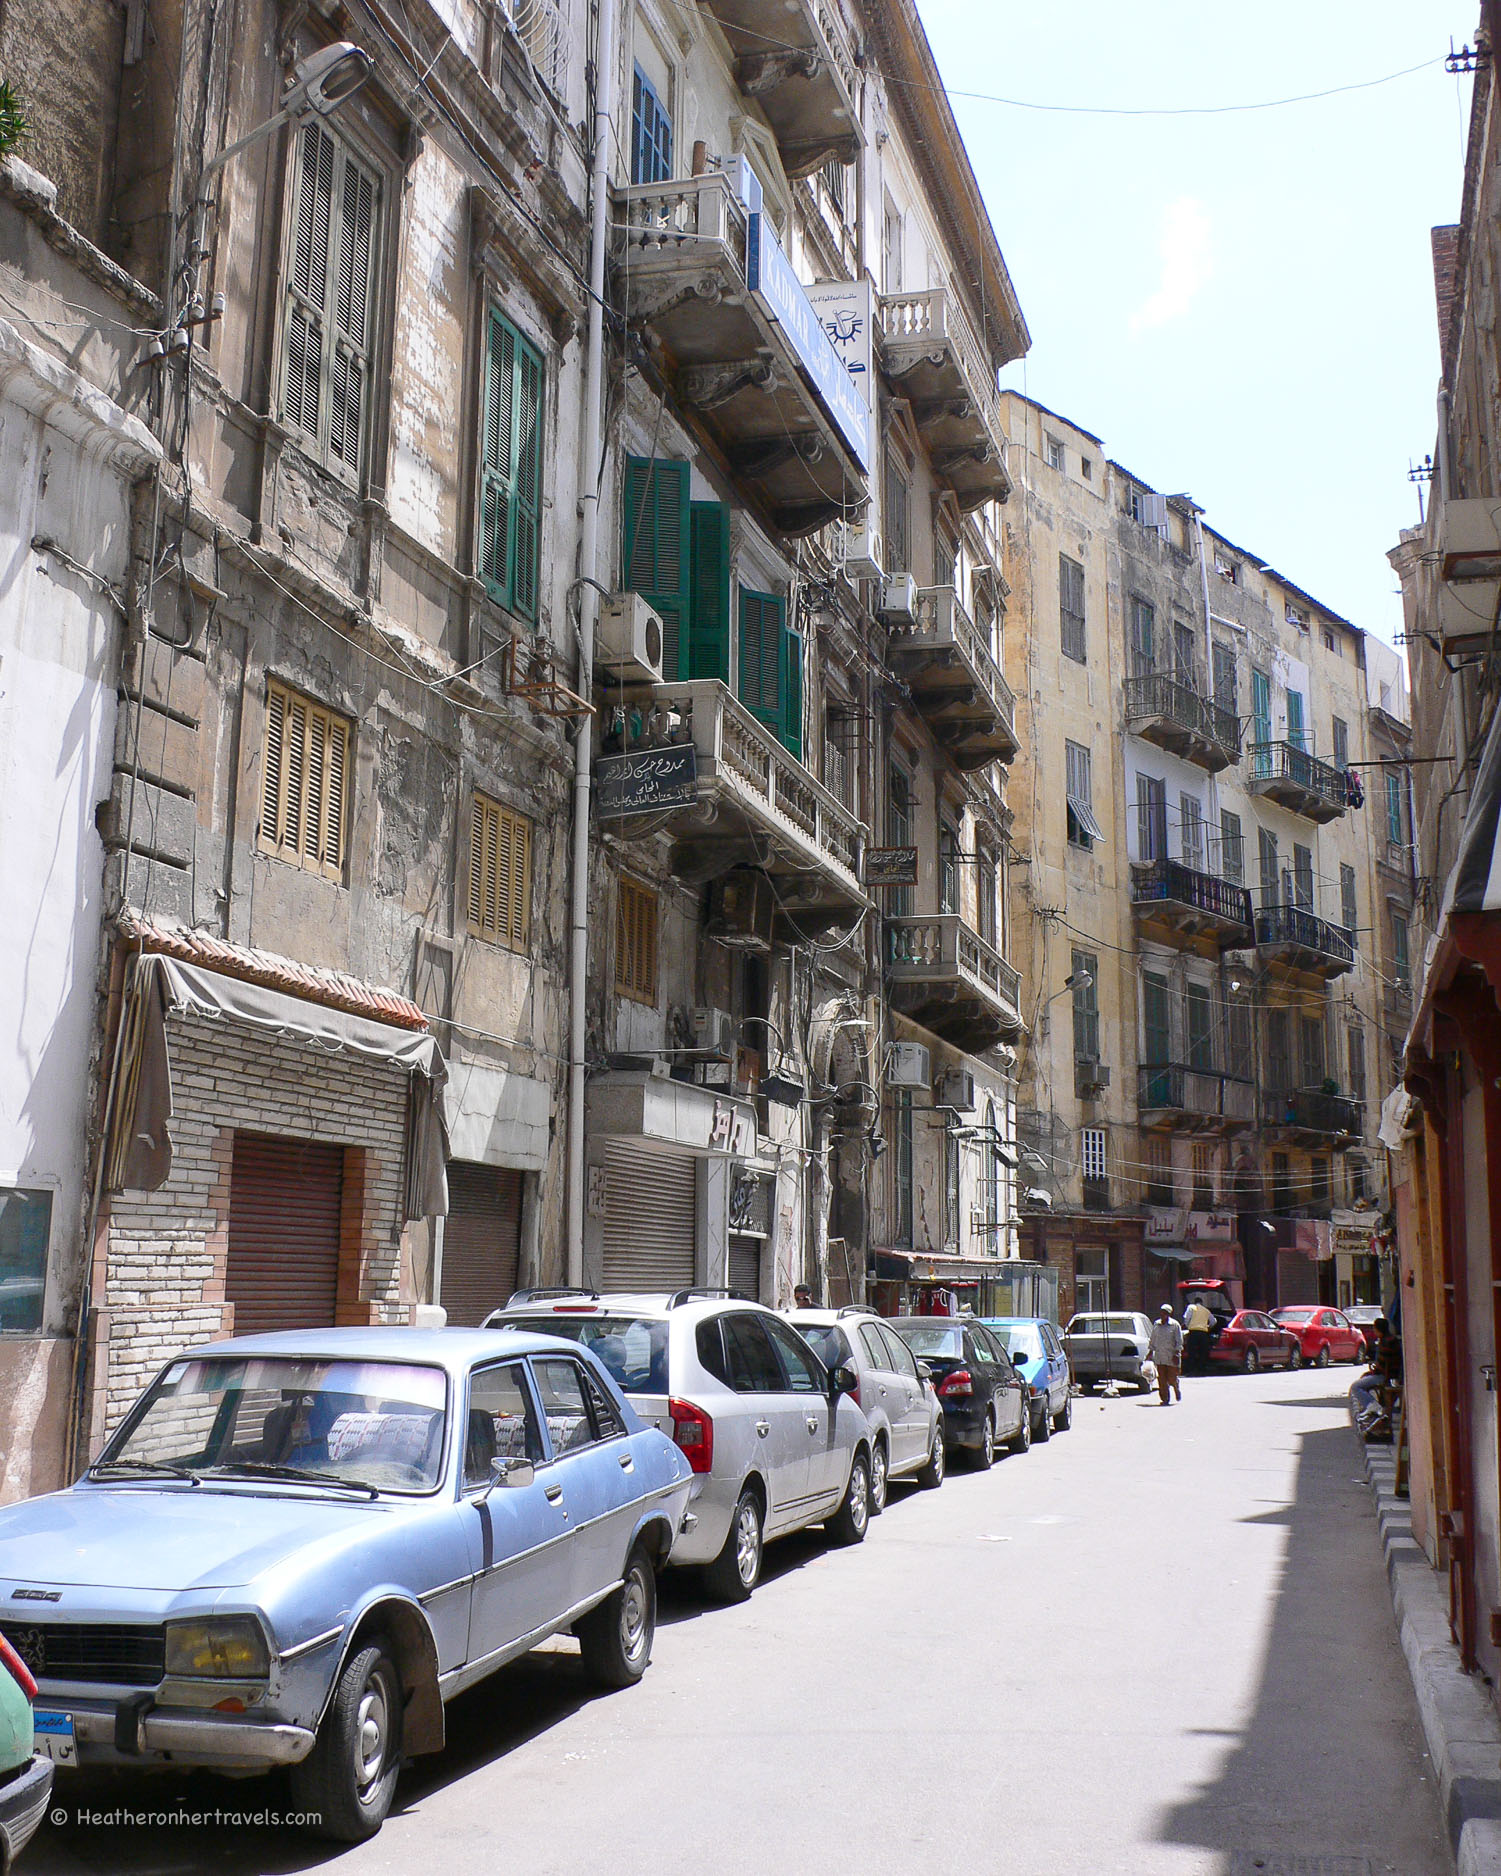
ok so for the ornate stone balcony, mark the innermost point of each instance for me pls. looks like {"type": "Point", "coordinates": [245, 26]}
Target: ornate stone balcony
{"type": "Point", "coordinates": [1309, 1117]}
{"type": "Point", "coordinates": [747, 353]}
{"type": "Point", "coordinates": [794, 58]}
{"type": "Point", "coordinates": [1176, 718]}
{"type": "Point", "coordinates": [944, 975]}
{"type": "Point", "coordinates": [1299, 940]}
{"type": "Point", "coordinates": [758, 806]}
{"type": "Point", "coordinates": [935, 361]}
{"type": "Point", "coordinates": [1287, 774]}
{"type": "Point", "coordinates": [1175, 1098]}
{"type": "Point", "coordinates": [1183, 906]}
{"type": "Point", "coordinates": [955, 681]}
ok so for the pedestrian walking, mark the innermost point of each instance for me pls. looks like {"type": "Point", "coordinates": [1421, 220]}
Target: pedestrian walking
{"type": "Point", "coordinates": [1166, 1350]}
{"type": "Point", "coordinates": [1197, 1322]}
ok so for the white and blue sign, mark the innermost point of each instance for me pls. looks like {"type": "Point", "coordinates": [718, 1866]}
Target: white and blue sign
{"type": "Point", "coordinates": [782, 296]}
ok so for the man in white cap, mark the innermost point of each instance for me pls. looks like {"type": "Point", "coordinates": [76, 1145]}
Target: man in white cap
{"type": "Point", "coordinates": [1166, 1350]}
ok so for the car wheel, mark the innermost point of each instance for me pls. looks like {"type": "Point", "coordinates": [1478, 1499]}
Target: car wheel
{"type": "Point", "coordinates": [735, 1572]}
{"type": "Point", "coordinates": [880, 1479]}
{"type": "Point", "coordinates": [1358, 1357]}
{"type": "Point", "coordinates": [1323, 1358]}
{"type": "Point", "coordinates": [931, 1475]}
{"type": "Point", "coordinates": [985, 1456]}
{"type": "Point", "coordinates": [348, 1779]}
{"type": "Point", "coordinates": [1064, 1418]}
{"type": "Point", "coordinates": [852, 1520]}
{"type": "Point", "coordinates": [1250, 1361]}
{"type": "Point", "coordinates": [615, 1638]}
{"type": "Point", "coordinates": [1021, 1440]}
{"type": "Point", "coordinates": [1295, 1356]}
{"type": "Point", "coordinates": [1043, 1429]}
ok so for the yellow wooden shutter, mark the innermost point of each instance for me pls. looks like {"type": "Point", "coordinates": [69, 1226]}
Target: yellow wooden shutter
{"type": "Point", "coordinates": [271, 768]}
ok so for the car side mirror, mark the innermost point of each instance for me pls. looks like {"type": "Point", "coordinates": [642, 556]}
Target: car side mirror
{"type": "Point", "coordinates": [843, 1380]}
{"type": "Point", "coordinates": [924, 1372]}
{"type": "Point", "coordinates": [511, 1472]}
{"type": "Point", "coordinates": [1018, 1355]}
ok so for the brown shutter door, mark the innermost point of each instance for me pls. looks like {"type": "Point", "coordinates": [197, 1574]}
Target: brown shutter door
{"type": "Point", "coordinates": [481, 1241]}
{"type": "Point", "coordinates": [284, 1201]}
{"type": "Point", "coordinates": [650, 1218]}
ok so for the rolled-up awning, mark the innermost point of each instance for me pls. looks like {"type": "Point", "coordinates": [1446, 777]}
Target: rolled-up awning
{"type": "Point", "coordinates": [1173, 1253]}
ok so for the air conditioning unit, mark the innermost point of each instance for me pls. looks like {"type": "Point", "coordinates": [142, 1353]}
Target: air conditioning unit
{"type": "Point", "coordinates": [628, 641]}
{"type": "Point", "coordinates": [714, 1034]}
{"type": "Point", "coordinates": [1091, 1078]}
{"type": "Point", "coordinates": [898, 596]}
{"type": "Point", "coordinates": [909, 1066]}
{"type": "Point", "coordinates": [863, 553]}
{"type": "Point", "coordinates": [741, 910]}
{"type": "Point", "coordinates": [956, 1088]}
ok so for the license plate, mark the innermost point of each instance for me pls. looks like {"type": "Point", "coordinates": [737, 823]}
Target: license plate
{"type": "Point", "coordinates": [52, 1736]}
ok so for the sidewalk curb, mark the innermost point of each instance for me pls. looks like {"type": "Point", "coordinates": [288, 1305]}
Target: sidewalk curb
{"type": "Point", "coordinates": [1460, 1722]}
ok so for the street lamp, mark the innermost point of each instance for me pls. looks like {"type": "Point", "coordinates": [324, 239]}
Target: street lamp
{"type": "Point", "coordinates": [320, 84]}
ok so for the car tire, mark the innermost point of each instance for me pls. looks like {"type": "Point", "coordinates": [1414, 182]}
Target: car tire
{"type": "Point", "coordinates": [930, 1477]}
{"type": "Point", "coordinates": [348, 1779]}
{"type": "Point", "coordinates": [1295, 1357]}
{"type": "Point", "coordinates": [1250, 1362]}
{"type": "Point", "coordinates": [735, 1572]}
{"type": "Point", "coordinates": [1021, 1440]}
{"type": "Point", "coordinates": [984, 1456]}
{"type": "Point", "coordinates": [1064, 1418]}
{"type": "Point", "coordinates": [1323, 1358]}
{"type": "Point", "coordinates": [1043, 1430]}
{"type": "Point", "coordinates": [880, 1478]}
{"type": "Point", "coordinates": [1358, 1359]}
{"type": "Point", "coordinates": [852, 1520]}
{"type": "Point", "coordinates": [615, 1637]}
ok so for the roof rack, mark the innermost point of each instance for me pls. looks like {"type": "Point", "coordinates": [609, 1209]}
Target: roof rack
{"type": "Point", "coordinates": [680, 1297]}
{"type": "Point", "coordinates": [858, 1309]}
{"type": "Point", "coordinates": [543, 1296]}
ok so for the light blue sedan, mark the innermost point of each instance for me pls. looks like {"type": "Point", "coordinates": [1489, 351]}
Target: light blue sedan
{"type": "Point", "coordinates": [297, 1548]}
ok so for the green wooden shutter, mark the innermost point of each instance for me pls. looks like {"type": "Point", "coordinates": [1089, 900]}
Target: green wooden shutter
{"type": "Point", "coordinates": [348, 363]}
{"type": "Point", "coordinates": [307, 301]}
{"type": "Point", "coordinates": [792, 692]}
{"type": "Point", "coordinates": [655, 553]}
{"type": "Point", "coordinates": [527, 530]}
{"type": "Point", "coordinates": [761, 658]}
{"type": "Point", "coordinates": [709, 623]}
{"type": "Point", "coordinates": [511, 469]}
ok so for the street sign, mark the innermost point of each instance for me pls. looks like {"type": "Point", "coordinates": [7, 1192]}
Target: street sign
{"type": "Point", "coordinates": [643, 780]}
{"type": "Point", "coordinates": [891, 866]}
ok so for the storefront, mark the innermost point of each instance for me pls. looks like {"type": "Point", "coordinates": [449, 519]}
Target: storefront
{"type": "Point", "coordinates": [498, 1144]}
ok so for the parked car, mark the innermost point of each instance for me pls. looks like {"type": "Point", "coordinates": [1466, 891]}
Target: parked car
{"type": "Point", "coordinates": [296, 1548]}
{"type": "Point", "coordinates": [775, 1439]}
{"type": "Point", "coordinates": [1365, 1316]}
{"type": "Point", "coordinates": [1324, 1335]}
{"type": "Point", "coordinates": [1110, 1345]}
{"type": "Point", "coordinates": [1039, 1356]}
{"type": "Point", "coordinates": [985, 1401]}
{"type": "Point", "coordinates": [1251, 1340]}
{"type": "Point", "coordinates": [25, 1770]}
{"type": "Point", "coordinates": [898, 1400]}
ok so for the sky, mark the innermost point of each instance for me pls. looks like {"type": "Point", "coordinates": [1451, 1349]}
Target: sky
{"type": "Point", "coordinates": [1241, 306]}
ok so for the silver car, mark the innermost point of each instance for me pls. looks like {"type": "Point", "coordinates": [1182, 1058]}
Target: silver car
{"type": "Point", "coordinates": [775, 1439]}
{"type": "Point", "coordinates": [895, 1393]}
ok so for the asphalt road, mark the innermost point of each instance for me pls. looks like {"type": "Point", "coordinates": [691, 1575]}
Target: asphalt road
{"type": "Point", "coordinates": [1159, 1645]}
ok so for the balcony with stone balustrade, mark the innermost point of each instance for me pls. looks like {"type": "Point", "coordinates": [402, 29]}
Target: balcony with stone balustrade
{"type": "Point", "coordinates": [955, 681]}
{"type": "Point", "coordinates": [945, 976]}
{"type": "Point", "coordinates": [794, 58]}
{"type": "Point", "coordinates": [937, 363]}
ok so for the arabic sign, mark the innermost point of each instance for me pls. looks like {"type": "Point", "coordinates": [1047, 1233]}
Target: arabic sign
{"type": "Point", "coordinates": [1353, 1240]}
{"type": "Point", "coordinates": [891, 866]}
{"type": "Point", "coordinates": [1211, 1227]}
{"type": "Point", "coordinates": [783, 297]}
{"type": "Point", "coordinates": [845, 310]}
{"type": "Point", "coordinates": [644, 779]}
{"type": "Point", "coordinates": [1165, 1224]}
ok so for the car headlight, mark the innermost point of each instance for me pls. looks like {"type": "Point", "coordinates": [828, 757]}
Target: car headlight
{"type": "Point", "coordinates": [230, 1648]}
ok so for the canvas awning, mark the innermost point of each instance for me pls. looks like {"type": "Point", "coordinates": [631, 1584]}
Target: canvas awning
{"type": "Point", "coordinates": [140, 1141]}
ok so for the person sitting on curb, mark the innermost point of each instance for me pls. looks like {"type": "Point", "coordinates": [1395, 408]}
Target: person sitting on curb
{"type": "Point", "coordinates": [1372, 1393]}
{"type": "Point", "coordinates": [1166, 1351]}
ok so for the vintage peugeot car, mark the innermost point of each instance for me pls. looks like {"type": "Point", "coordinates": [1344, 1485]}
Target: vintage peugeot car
{"type": "Point", "coordinates": [298, 1547]}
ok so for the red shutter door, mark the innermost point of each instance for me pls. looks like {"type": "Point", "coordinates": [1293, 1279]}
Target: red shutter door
{"type": "Point", "coordinates": [284, 1201]}
{"type": "Point", "coordinates": [481, 1241]}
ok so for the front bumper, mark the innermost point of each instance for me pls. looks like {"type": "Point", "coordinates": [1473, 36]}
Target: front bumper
{"type": "Point", "coordinates": [23, 1799]}
{"type": "Point", "coordinates": [136, 1733]}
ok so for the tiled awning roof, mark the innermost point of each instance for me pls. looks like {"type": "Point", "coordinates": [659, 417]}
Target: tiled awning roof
{"type": "Point", "coordinates": [334, 989]}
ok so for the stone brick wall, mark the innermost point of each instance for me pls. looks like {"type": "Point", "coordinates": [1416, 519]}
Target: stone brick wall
{"type": "Point", "coordinates": [166, 1251]}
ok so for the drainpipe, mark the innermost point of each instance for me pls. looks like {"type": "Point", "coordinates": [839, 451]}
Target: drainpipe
{"type": "Point", "coordinates": [588, 590]}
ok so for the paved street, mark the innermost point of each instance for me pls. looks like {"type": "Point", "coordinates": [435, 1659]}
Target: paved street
{"type": "Point", "coordinates": [1162, 1643]}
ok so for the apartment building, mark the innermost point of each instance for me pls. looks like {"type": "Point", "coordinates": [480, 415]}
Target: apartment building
{"type": "Point", "coordinates": [1202, 989]}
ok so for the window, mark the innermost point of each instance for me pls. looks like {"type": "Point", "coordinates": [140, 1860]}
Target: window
{"type": "Point", "coordinates": [804, 1375]}
{"type": "Point", "coordinates": [1083, 828]}
{"type": "Point", "coordinates": [500, 874]}
{"type": "Point", "coordinates": [1267, 844]}
{"type": "Point", "coordinates": [1296, 734]}
{"type": "Point", "coordinates": [1261, 716]}
{"type": "Point", "coordinates": [1086, 1006]}
{"type": "Point", "coordinates": [1055, 452]}
{"type": "Point", "coordinates": [899, 832]}
{"type": "Point", "coordinates": [987, 876]}
{"type": "Point", "coordinates": [326, 338]}
{"type": "Point", "coordinates": [1279, 1068]}
{"type": "Point", "coordinates": [1232, 851]}
{"type": "Point", "coordinates": [950, 1188]}
{"type": "Point", "coordinates": [1143, 628]}
{"type": "Point", "coordinates": [1156, 1027]}
{"type": "Point", "coordinates": [750, 1355]}
{"type": "Point", "coordinates": [945, 560]}
{"type": "Point", "coordinates": [833, 181]}
{"type": "Point", "coordinates": [651, 133]}
{"type": "Point", "coordinates": [1151, 819]}
{"type": "Point", "coordinates": [1227, 570]}
{"type": "Point", "coordinates": [1071, 607]}
{"type": "Point", "coordinates": [1355, 1049]}
{"type": "Point", "coordinates": [840, 737]}
{"type": "Point", "coordinates": [1184, 664]}
{"type": "Point", "coordinates": [511, 469]}
{"type": "Point", "coordinates": [1311, 1050]}
{"type": "Point", "coordinates": [25, 1230]}
{"type": "Point", "coordinates": [891, 248]}
{"type": "Point", "coordinates": [1091, 1280]}
{"type": "Point", "coordinates": [304, 811]}
{"type": "Point", "coordinates": [636, 942]}
{"type": "Point", "coordinates": [1093, 1165]}
{"type": "Point", "coordinates": [1329, 642]}
{"type": "Point", "coordinates": [1203, 1169]}
{"type": "Point", "coordinates": [901, 1168]}
{"type": "Point", "coordinates": [1401, 962]}
{"type": "Point", "coordinates": [1086, 468]}
{"type": "Point", "coordinates": [948, 867]}
{"type": "Point", "coordinates": [1157, 1166]}
{"type": "Point", "coordinates": [1198, 1027]}
{"type": "Point", "coordinates": [1339, 743]}
{"type": "Point", "coordinates": [1348, 911]}
{"type": "Point", "coordinates": [1224, 677]}
{"type": "Point", "coordinates": [1191, 831]}
{"type": "Point", "coordinates": [502, 1423]}
{"type": "Point", "coordinates": [1394, 807]}
{"type": "Point", "coordinates": [1282, 1183]}
{"type": "Point", "coordinates": [1303, 876]}
{"type": "Point", "coordinates": [1299, 620]}
{"type": "Point", "coordinates": [993, 1173]}
{"type": "Point", "coordinates": [895, 507]}
{"type": "Point", "coordinates": [771, 668]}
{"type": "Point", "coordinates": [1242, 1045]}
{"type": "Point", "coordinates": [564, 1408]}
{"type": "Point", "coordinates": [1321, 1186]}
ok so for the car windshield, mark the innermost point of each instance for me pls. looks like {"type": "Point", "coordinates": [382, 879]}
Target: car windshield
{"type": "Point", "coordinates": [1019, 1338]}
{"type": "Point", "coordinates": [376, 1425]}
{"type": "Point", "coordinates": [632, 1348]}
{"type": "Point", "coordinates": [1102, 1325]}
{"type": "Point", "coordinates": [1293, 1315]}
{"type": "Point", "coordinates": [941, 1338]}
{"type": "Point", "coordinates": [826, 1341]}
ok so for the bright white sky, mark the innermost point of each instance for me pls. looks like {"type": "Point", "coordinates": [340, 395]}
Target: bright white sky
{"type": "Point", "coordinates": [1241, 306]}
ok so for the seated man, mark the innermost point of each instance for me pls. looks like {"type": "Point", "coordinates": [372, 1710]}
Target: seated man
{"type": "Point", "coordinates": [1372, 1393]}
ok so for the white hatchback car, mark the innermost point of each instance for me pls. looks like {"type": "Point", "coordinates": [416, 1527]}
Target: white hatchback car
{"type": "Point", "coordinates": [895, 1395]}
{"type": "Point", "coordinates": [776, 1440]}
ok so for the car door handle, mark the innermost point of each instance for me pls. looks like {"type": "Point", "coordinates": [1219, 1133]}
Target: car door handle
{"type": "Point", "coordinates": [554, 1494]}
{"type": "Point", "coordinates": [625, 1462]}
{"type": "Point", "coordinates": [762, 1428]}
{"type": "Point", "coordinates": [813, 1423]}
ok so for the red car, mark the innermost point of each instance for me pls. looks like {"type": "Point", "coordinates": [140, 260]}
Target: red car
{"type": "Point", "coordinates": [1250, 1340]}
{"type": "Point", "coordinates": [1324, 1335]}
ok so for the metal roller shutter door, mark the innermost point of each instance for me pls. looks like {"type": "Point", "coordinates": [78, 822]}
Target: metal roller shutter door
{"type": "Point", "coordinates": [650, 1218]}
{"type": "Point", "coordinates": [282, 1271]}
{"type": "Point", "coordinates": [481, 1241]}
{"type": "Point", "coordinates": [745, 1267]}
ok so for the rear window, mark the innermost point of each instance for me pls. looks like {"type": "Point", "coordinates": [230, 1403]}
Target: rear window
{"type": "Point", "coordinates": [826, 1341]}
{"type": "Point", "coordinates": [941, 1339]}
{"type": "Point", "coordinates": [1293, 1315]}
{"type": "Point", "coordinates": [1102, 1325]}
{"type": "Point", "coordinates": [633, 1349]}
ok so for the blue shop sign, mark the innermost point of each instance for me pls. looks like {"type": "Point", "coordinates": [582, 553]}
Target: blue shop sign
{"type": "Point", "coordinates": [781, 294]}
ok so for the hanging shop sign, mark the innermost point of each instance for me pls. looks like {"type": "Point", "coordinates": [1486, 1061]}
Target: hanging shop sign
{"type": "Point", "coordinates": [643, 780]}
{"type": "Point", "coordinates": [890, 866]}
